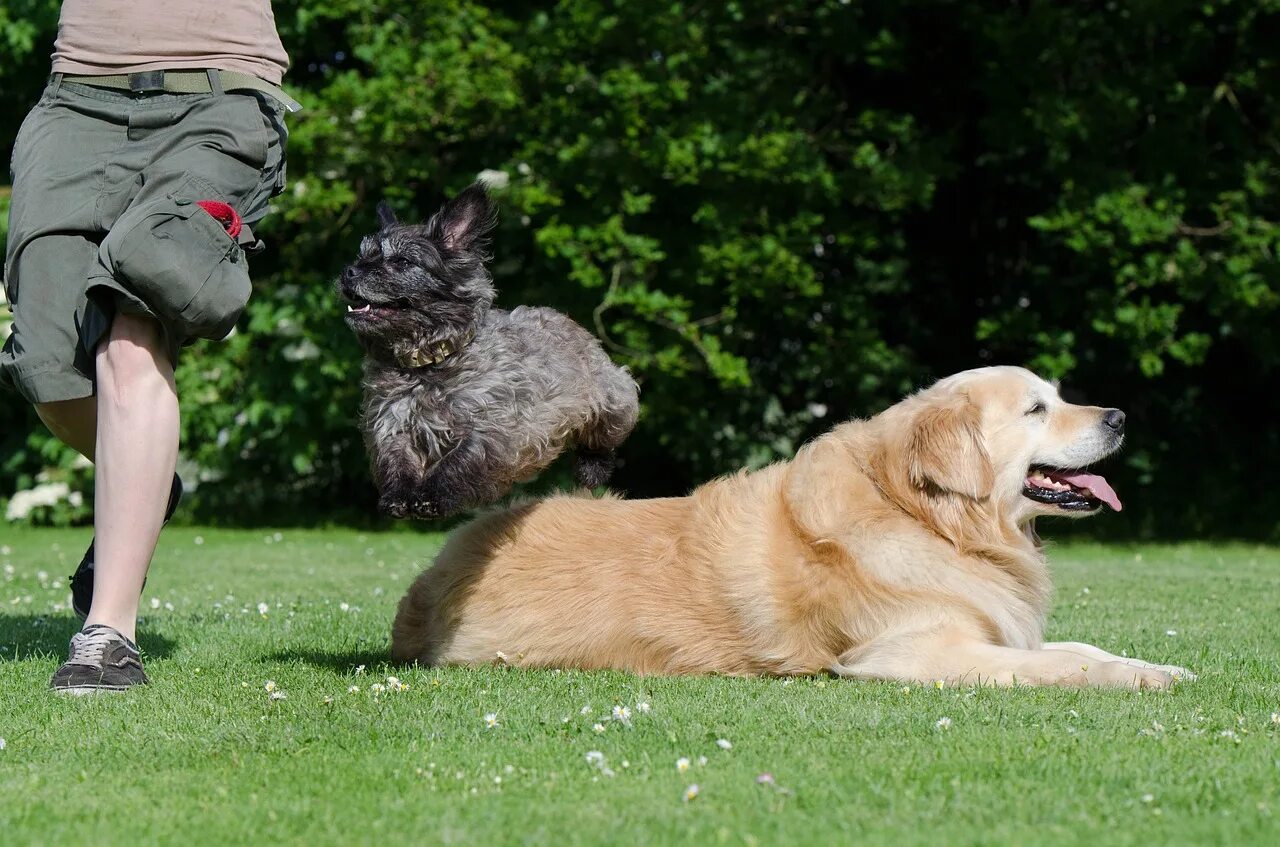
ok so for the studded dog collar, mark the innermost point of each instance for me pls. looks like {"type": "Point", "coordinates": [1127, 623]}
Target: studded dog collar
{"type": "Point", "coordinates": [432, 354]}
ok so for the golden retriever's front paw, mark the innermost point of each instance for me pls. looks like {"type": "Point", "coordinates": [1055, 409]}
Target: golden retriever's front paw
{"type": "Point", "coordinates": [1178, 674]}
{"type": "Point", "coordinates": [1145, 678]}
{"type": "Point", "coordinates": [1121, 675]}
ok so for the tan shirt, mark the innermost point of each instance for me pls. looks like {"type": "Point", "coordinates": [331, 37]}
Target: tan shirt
{"type": "Point", "coordinates": [123, 36]}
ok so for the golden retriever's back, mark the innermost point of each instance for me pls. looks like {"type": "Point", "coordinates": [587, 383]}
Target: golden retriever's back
{"type": "Point", "coordinates": [654, 598]}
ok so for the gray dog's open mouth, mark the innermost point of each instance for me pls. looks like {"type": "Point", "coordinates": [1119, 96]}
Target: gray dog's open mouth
{"type": "Point", "coordinates": [1069, 490]}
{"type": "Point", "coordinates": [360, 309]}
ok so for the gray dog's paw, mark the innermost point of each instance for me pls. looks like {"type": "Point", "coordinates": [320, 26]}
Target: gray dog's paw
{"type": "Point", "coordinates": [424, 509]}
{"type": "Point", "coordinates": [394, 505]}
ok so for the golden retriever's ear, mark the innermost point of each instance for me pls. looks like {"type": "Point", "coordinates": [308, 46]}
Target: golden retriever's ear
{"type": "Point", "coordinates": [945, 450]}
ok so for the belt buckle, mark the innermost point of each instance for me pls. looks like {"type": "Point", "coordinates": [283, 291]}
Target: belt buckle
{"type": "Point", "coordinates": [143, 81]}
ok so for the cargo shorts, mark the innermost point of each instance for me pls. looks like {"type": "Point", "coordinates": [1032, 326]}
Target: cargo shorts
{"type": "Point", "coordinates": [104, 220]}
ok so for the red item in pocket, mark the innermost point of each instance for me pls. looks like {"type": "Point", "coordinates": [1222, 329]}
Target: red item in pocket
{"type": "Point", "coordinates": [223, 214]}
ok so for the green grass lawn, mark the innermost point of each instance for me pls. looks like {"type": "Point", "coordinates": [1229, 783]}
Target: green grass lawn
{"type": "Point", "coordinates": [205, 755]}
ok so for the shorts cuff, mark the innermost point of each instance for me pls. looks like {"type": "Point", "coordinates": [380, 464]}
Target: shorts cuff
{"type": "Point", "coordinates": [47, 386]}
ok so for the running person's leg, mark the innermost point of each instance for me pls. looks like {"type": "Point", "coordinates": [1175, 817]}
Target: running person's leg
{"type": "Point", "coordinates": [137, 449]}
{"type": "Point", "coordinates": [112, 266]}
{"type": "Point", "coordinates": [73, 422]}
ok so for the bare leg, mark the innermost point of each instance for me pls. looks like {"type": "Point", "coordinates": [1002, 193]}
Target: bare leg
{"type": "Point", "coordinates": [73, 422]}
{"type": "Point", "coordinates": [136, 450]}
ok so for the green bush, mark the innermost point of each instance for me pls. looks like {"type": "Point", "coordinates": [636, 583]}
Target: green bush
{"type": "Point", "coordinates": [779, 215]}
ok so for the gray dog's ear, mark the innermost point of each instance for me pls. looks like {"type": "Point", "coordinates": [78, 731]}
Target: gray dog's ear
{"type": "Point", "coordinates": [386, 215]}
{"type": "Point", "coordinates": [465, 221]}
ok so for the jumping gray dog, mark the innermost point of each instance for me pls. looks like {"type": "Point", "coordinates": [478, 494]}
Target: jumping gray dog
{"type": "Point", "coordinates": [461, 401]}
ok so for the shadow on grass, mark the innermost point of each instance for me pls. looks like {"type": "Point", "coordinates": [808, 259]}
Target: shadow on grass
{"type": "Point", "coordinates": [340, 662]}
{"type": "Point", "coordinates": [29, 636]}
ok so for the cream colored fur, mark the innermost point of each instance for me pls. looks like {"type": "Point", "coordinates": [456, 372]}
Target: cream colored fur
{"type": "Point", "coordinates": [898, 547]}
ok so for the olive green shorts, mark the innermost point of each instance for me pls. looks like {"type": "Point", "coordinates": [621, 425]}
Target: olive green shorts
{"type": "Point", "coordinates": [103, 220]}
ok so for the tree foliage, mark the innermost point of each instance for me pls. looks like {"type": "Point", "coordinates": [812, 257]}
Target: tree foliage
{"type": "Point", "coordinates": [780, 215]}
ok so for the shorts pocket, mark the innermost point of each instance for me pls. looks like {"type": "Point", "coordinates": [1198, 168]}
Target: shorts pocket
{"type": "Point", "coordinates": [180, 262]}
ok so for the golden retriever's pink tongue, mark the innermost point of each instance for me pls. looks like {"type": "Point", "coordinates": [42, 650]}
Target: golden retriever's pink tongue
{"type": "Point", "coordinates": [1097, 486]}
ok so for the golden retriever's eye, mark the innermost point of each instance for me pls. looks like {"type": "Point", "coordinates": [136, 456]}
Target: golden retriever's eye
{"type": "Point", "coordinates": [1037, 409]}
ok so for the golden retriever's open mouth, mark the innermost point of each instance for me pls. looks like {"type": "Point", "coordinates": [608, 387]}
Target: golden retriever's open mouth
{"type": "Point", "coordinates": [1069, 490]}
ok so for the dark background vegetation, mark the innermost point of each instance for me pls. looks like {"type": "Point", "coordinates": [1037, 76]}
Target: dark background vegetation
{"type": "Point", "coordinates": [779, 215]}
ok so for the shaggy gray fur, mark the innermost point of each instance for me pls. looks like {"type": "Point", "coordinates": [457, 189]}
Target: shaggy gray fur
{"type": "Point", "coordinates": [510, 392]}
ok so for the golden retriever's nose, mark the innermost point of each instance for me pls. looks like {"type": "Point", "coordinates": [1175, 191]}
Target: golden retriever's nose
{"type": "Point", "coordinates": [1114, 419]}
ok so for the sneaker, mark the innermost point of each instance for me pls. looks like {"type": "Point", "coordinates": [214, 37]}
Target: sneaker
{"type": "Point", "coordinates": [82, 579]}
{"type": "Point", "coordinates": [100, 659]}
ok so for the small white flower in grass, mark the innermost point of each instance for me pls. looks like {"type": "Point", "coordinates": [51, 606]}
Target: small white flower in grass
{"type": "Point", "coordinates": [155, 602]}
{"type": "Point", "coordinates": [597, 728]}
{"type": "Point", "coordinates": [643, 707]}
{"type": "Point", "coordinates": [1148, 798]}
{"type": "Point", "coordinates": [1230, 735]}
{"type": "Point", "coordinates": [270, 686]}
{"type": "Point", "coordinates": [344, 607]}
{"type": "Point", "coordinates": [355, 689]}
{"type": "Point", "coordinates": [943, 723]}
{"type": "Point", "coordinates": [3, 744]}
{"type": "Point", "coordinates": [327, 700]}
{"type": "Point", "coordinates": [596, 759]}
{"type": "Point", "coordinates": [395, 684]}
{"type": "Point", "coordinates": [359, 669]}
{"type": "Point", "coordinates": [377, 688]}
{"type": "Point", "coordinates": [622, 714]}
{"type": "Point", "coordinates": [724, 744]}
{"type": "Point", "coordinates": [691, 793]}
{"type": "Point", "coordinates": [278, 695]}
{"type": "Point", "coordinates": [1073, 713]}
{"type": "Point", "coordinates": [702, 760]}
{"type": "Point", "coordinates": [682, 765]}
{"type": "Point", "coordinates": [263, 608]}
{"type": "Point", "coordinates": [199, 540]}
{"type": "Point", "coordinates": [1171, 632]}
{"type": "Point", "coordinates": [491, 720]}
{"type": "Point", "coordinates": [1275, 718]}
{"type": "Point", "coordinates": [168, 607]}
{"type": "Point", "coordinates": [585, 710]}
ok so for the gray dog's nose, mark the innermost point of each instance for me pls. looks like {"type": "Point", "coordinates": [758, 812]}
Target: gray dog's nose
{"type": "Point", "coordinates": [1114, 418]}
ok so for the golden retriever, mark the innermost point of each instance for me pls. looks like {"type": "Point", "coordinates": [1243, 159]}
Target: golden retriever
{"type": "Point", "coordinates": [900, 548]}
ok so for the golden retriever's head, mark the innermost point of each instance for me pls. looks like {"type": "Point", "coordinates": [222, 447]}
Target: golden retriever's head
{"type": "Point", "coordinates": [1003, 434]}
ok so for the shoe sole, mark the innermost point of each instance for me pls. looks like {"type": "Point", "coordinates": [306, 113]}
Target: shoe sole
{"type": "Point", "coordinates": [89, 690]}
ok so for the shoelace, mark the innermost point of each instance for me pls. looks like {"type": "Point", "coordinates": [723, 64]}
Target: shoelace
{"type": "Point", "coordinates": [88, 645]}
